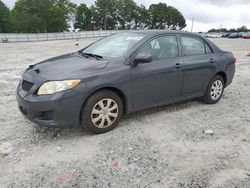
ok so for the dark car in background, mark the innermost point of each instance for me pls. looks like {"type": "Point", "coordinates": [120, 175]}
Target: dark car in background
{"type": "Point", "coordinates": [236, 35]}
{"type": "Point", "coordinates": [121, 74]}
{"type": "Point", "coordinates": [225, 35]}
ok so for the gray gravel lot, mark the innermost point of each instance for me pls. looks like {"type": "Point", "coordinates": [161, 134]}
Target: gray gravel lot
{"type": "Point", "coordinates": [164, 147]}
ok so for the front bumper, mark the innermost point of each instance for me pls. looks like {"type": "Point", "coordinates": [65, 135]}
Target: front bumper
{"type": "Point", "coordinates": [58, 109]}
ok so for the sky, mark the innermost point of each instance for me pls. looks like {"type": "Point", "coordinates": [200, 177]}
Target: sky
{"type": "Point", "coordinates": [207, 14]}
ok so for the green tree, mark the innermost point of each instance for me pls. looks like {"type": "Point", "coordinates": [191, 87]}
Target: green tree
{"type": "Point", "coordinates": [6, 24]}
{"type": "Point", "coordinates": [175, 19]}
{"type": "Point", "coordinates": [218, 30]}
{"type": "Point", "coordinates": [163, 16]}
{"type": "Point", "coordinates": [142, 17]}
{"type": "Point", "coordinates": [158, 15]}
{"type": "Point", "coordinates": [54, 16]}
{"type": "Point", "coordinates": [41, 16]}
{"type": "Point", "coordinates": [242, 29]}
{"type": "Point", "coordinates": [105, 14]}
{"type": "Point", "coordinates": [96, 23]}
{"type": "Point", "coordinates": [127, 13]}
{"type": "Point", "coordinates": [83, 17]}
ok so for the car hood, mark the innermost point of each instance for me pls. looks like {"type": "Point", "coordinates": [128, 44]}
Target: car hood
{"type": "Point", "coordinates": [69, 66]}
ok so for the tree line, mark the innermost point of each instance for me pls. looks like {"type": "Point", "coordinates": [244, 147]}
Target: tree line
{"type": "Point", "coordinates": [36, 16]}
{"type": "Point", "coordinates": [224, 30]}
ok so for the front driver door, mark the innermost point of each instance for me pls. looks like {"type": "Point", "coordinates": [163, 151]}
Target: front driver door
{"type": "Point", "coordinates": [159, 81]}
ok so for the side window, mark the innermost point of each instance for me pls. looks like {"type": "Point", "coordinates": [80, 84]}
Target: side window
{"type": "Point", "coordinates": [208, 49]}
{"type": "Point", "coordinates": [162, 48]}
{"type": "Point", "coordinates": [193, 46]}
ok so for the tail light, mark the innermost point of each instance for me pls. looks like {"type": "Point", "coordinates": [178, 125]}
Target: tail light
{"type": "Point", "coordinates": [234, 60]}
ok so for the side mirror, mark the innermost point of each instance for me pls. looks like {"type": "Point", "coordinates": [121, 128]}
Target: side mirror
{"type": "Point", "coordinates": [143, 58]}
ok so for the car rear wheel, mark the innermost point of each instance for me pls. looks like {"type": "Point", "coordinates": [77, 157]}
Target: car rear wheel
{"type": "Point", "coordinates": [102, 112]}
{"type": "Point", "coordinates": [214, 91]}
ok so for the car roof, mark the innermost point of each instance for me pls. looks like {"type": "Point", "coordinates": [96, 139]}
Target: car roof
{"type": "Point", "coordinates": [156, 32]}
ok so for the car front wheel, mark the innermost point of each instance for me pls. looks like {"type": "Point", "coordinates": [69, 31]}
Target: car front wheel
{"type": "Point", "coordinates": [102, 112]}
{"type": "Point", "coordinates": [214, 91]}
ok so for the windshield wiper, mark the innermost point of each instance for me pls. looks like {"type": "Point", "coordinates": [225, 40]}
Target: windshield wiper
{"type": "Point", "coordinates": [91, 55]}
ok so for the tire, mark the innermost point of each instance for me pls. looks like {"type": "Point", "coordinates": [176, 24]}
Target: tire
{"type": "Point", "coordinates": [214, 91]}
{"type": "Point", "coordinates": [97, 117]}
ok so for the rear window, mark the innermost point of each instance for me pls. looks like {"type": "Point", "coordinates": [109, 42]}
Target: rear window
{"type": "Point", "coordinates": [195, 46]}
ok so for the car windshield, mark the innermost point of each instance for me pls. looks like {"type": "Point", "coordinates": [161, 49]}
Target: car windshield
{"type": "Point", "coordinates": [115, 45]}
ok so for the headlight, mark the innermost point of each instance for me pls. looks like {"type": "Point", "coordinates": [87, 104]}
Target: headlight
{"type": "Point", "coordinates": [56, 86]}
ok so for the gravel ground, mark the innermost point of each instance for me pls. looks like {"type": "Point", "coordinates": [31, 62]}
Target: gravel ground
{"type": "Point", "coordinates": [163, 147]}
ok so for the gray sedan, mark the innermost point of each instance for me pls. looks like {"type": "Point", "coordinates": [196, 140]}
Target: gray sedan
{"type": "Point", "coordinates": [121, 74]}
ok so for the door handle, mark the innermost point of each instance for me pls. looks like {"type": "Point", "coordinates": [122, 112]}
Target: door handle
{"type": "Point", "coordinates": [178, 65]}
{"type": "Point", "coordinates": [211, 60]}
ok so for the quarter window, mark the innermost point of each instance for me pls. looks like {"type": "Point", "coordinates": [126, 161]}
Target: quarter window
{"type": "Point", "coordinates": [208, 49]}
{"type": "Point", "coordinates": [193, 46]}
{"type": "Point", "coordinates": [161, 48]}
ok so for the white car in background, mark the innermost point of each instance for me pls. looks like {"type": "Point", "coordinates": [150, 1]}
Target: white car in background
{"type": "Point", "coordinates": [214, 35]}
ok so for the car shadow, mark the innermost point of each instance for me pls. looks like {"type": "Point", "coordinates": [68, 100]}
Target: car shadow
{"type": "Point", "coordinates": [167, 108]}
{"type": "Point", "coordinates": [68, 132]}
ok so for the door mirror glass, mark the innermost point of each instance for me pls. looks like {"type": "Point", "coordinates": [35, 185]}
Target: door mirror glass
{"type": "Point", "coordinates": [143, 58]}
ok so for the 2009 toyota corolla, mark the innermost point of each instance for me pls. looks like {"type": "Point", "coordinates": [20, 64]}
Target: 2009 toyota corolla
{"type": "Point", "coordinates": [123, 73]}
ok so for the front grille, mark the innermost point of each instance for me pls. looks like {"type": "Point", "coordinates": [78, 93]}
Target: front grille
{"type": "Point", "coordinates": [26, 86]}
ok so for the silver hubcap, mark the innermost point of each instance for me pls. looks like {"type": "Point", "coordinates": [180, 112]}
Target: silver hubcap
{"type": "Point", "coordinates": [104, 113]}
{"type": "Point", "coordinates": [216, 90]}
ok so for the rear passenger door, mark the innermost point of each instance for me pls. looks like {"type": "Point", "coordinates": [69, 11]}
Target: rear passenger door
{"type": "Point", "coordinates": [199, 62]}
